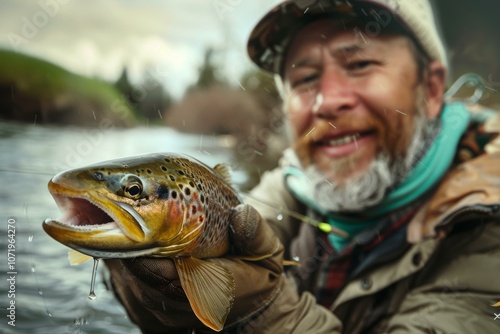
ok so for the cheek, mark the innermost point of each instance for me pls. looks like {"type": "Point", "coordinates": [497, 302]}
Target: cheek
{"type": "Point", "coordinates": [298, 113]}
{"type": "Point", "coordinates": [397, 128]}
{"type": "Point", "coordinates": [406, 125]}
{"type": "Point", "coordinates": [393, 104]}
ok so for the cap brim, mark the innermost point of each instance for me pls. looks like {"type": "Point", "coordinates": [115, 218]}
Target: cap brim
{"type": "Point", "coordinates": [271, 36]}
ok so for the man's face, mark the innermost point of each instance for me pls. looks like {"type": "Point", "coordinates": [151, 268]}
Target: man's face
{"type": "Point", "coordinates": [350, 97]}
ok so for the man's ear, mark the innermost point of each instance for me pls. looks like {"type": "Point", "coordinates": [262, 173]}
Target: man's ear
{"type": "Point", "coordinates": [434, 81]}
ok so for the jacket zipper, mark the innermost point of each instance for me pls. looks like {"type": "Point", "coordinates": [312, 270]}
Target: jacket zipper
{"type": "Point", "coordinates": [481, 209]}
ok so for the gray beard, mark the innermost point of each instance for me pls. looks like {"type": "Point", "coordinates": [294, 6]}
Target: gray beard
{"type": "Point", "coordinates": [369, 188]}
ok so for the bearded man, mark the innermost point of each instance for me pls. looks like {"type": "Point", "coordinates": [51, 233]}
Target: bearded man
{"type": "Point", "coordinates": [406, 183]}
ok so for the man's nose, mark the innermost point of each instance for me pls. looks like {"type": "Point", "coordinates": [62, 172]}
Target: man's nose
{"type": "Point", "coordinates": [335, 94]}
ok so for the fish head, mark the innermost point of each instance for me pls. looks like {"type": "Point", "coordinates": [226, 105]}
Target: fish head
{"type": "Point", "coordinates": [126, 208]}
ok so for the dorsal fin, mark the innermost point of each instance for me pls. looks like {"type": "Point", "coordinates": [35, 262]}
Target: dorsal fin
{"type": "Point", "coordinates": [224, 171]}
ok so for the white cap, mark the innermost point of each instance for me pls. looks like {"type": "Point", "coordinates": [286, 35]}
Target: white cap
{"type": "Point", "coordinates": [269, 40]}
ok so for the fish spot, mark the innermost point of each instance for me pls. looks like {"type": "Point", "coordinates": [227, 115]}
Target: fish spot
{"type": "Point", "coordinates": [202, 198]}
{"type": "Point", "coordinates": [167, 160]}
{"type": "Point", "coordinates": [194, 209]}
{"type": "Point", "coordinates": [191, 183]}
{"type": "Point", "coordinates": [163, 168]}
{"type": "Point", "coordinates": [181, 172]}
{"type": "Point", "coordinates": [180, 185]}
{"type": "Point", "coordinates": [174, 194]}
{"type": "Point", "coordinates": [172, 178]}
{"type": "Point", "coordinates": [201, 219]}
{"type": "Point", "coordinates": [163, 192]}
{"type": "Point", "coordinates": [149, 171]}
{"type": "Point", "coordinates": [187, 191]}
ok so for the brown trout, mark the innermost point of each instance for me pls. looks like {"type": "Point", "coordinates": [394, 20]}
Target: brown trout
{"type": "Point", "coordinates": [163, 205]}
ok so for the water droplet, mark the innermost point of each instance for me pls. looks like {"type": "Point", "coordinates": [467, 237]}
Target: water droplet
{"type": "Point", "coordinates": [92, 295]}
{"type": "Point", "coordinates": [40, 292]}
{"type": "Point", "coordinates": [279, 217]}
{"type": "Point", "coordinates": [33, 268]}
{"type": "Point", "coordinates": [50, 314]}
{"type": "Point", "coordinates": [30, 238]}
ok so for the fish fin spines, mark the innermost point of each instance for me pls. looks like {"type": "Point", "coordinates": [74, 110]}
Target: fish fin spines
{"type": "Point", "coordinates": [224, 171]}
{"type": "Point", "coordinates": [209, 289]}
{"type": "Point", "coordinates": [75, 257]}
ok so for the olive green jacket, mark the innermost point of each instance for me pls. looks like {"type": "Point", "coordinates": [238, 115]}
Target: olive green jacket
{"type": "Point", "coordinates": [443, 279]}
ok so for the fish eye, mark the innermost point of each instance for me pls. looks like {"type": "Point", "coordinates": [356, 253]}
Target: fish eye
{"type": "Point", "coordinates": [133, 189]}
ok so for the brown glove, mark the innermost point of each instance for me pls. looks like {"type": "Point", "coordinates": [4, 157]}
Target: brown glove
{"type": "Point", "coordinates": [150, 290]}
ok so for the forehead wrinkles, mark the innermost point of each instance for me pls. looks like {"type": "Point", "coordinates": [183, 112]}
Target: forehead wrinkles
{"type": "Point", "coordinates": [319, 32]}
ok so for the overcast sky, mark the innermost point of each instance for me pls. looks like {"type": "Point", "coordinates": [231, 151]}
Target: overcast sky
{"type": "Point", "coordinates": [168, 37]}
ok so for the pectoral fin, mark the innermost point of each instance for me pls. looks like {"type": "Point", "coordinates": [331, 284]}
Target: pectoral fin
{"type": "Point", "coordinates": [75, 257]}
{"type": "Point", "coordinates": [209, 288]}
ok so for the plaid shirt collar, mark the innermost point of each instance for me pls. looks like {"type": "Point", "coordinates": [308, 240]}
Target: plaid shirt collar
{"type": "Point", "coordinates": [365, 251]}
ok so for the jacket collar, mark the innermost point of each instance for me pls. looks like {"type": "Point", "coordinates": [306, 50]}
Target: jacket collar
{"type": "Point", "coordinates": [471, 188]}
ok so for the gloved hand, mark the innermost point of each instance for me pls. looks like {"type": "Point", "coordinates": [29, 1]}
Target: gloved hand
{"type": "Point", "coordinates": [150, 290]}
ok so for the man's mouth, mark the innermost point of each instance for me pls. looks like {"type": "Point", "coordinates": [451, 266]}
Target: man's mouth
{"type": "Point", "coordinates": [343, 140]}
{"type": "Point", "coordinates": [339, 140]}
{"type": "Point", "coordinates": [338, 145]}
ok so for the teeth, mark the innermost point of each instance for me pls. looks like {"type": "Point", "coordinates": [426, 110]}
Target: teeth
{"type": "Point", "coordinates": [343, 140]}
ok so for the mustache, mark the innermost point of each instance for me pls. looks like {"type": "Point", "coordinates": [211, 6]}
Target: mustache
{"type": "Point", "coordinates": [323, 128]}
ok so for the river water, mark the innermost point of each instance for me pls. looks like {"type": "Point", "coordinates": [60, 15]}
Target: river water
{"type": "Point", "coordinates": [50, 295]}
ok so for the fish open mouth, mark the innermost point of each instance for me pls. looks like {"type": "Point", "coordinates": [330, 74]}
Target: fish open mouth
{"type": "Point", "coordinates": [82, 214]}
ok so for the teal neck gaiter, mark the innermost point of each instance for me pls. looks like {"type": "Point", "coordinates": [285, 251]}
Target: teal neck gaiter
{"type": "Point", "coordinates": [426, 173]}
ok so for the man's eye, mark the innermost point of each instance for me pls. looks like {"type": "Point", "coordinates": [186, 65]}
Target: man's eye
{"type": "Point", "coordinates": [360, 65]}
{"type": "Point", "coordinates": [307, 79]}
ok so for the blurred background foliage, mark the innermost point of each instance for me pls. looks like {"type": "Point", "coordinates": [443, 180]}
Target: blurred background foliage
{"type": "Point", "coordinates": [471, 31]}
{"type": "Point", "coordinates": [35, 88]}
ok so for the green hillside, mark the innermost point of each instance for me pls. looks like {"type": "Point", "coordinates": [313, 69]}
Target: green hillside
{"type": "Point", "coordinates": [30, 87]}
